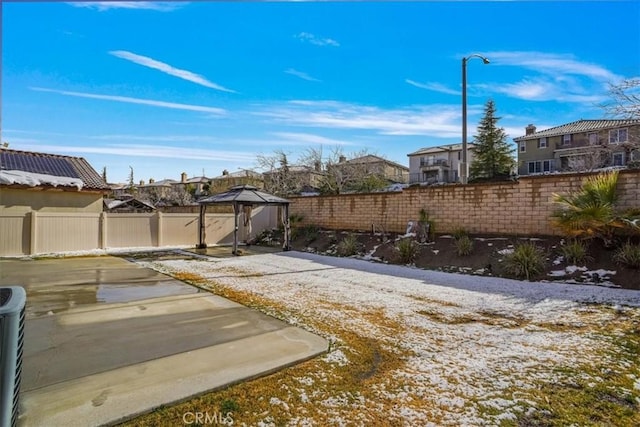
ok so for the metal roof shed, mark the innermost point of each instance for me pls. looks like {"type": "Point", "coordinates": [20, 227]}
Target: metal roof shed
{"type": "Point", "coordinates": [238, 197]}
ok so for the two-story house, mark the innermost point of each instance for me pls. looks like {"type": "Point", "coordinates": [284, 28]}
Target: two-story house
{"type": "Point", "coordinates": [579, 145]}
{"type": "Point", "coordinates": [228, 179]}
{"type": "Point", "coordinates": [439, 164]}
{"type": "Point", "coordinates": [375, 165]}
{"type": "Point", "coordinates": [294, 179]}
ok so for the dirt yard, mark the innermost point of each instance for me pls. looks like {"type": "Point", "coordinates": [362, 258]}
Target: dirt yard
{"type": "Point", "coordinates": [486, 259]}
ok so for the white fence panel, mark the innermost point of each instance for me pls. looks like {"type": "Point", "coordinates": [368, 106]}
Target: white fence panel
{"type": "Point", "coordinates": [131, 230]}
{"type": "Point", "coordinates": [62, 232]}
{"type": "Point", "coordinates": [179, 229]}
{"type": "Point", "coordinates": [15, 232]}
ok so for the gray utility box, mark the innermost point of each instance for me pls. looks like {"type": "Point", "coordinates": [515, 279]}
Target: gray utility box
{"type": "Point", "coordinates": [12, 315]}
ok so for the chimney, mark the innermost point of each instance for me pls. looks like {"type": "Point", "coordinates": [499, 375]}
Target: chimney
{"type": "Point", "coordinates": [142, 182]}
{"type": "Point", "coordinates": [530, 130]}
{"type": "Point", "coordinates": [151, 180]}
{"type": "Point", "coordinates": [183, 177]}
{"type": "Point", "coordinates": [317, 165]}
{"type": "Point", "coordinates": [225, 172]}
{"type": "Point", "coordinates": [342, 159]}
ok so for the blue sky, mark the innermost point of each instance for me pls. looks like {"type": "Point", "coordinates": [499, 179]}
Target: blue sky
{"type": "Point", "coordinates": [190, 87]}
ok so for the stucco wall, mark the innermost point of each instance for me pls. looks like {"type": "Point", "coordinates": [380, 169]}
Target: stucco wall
{"type": "Point", "coordinates": [20, 201]}
{"type": "Point", "coordinates": [521, 207]}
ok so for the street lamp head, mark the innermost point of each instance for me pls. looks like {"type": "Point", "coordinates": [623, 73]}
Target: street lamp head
{"type": "Point", "coordinates": [485, 60]}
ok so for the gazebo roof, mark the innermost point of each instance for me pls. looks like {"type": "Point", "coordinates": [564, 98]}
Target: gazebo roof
{"type": "Point", "coordinates": [244, 194]}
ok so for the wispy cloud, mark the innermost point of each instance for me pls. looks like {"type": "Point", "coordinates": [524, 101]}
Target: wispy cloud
{"type": "Point", "coordinates": [434, 120]}
{"type": "Point", "coordinates": [307, 138]}
{"type": "Point", "coordinates": [141, 150]}
{"type": "Point", "coordinates": [101, 6]}
{"type": "Point", "coordinates": [433, 86]}
{"type": "Point", "coordinates": [316, 40]}
{"type": "Point", "coordinates": [126, 99]}
{"type": "Point", "coordinates": [155, 138]}
{"type": "Point", "coordinates": [167, 69]}
{"type": "Point", "coordinates": [559, 77]}
{"type": "Point", "coordinates": [301, 75]}
{"type": "Point", "coordinates": [552, 64]}
{"type": "Point", "coordinates": [541, 89]}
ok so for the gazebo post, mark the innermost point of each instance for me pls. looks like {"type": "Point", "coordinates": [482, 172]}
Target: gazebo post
{"type": "Point", "coordinates": [287, 229]}
{"type": "Point", "coordinates": [235, 228]}
{"type": "Point", "coordinates": [201, 224]}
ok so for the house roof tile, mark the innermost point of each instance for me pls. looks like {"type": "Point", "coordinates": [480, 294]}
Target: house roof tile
{"type": "Point", "coordinates": [580, 126]}
{"type": "Point", "coordinates": [370, 158]}
{"type": "Point", "coordinates": [441, 149]}
{"type": "Point", "coordinates": [52, 164]}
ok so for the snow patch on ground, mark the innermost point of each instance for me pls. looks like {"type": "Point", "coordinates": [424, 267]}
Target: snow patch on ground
{"type": "Point", "coordinates": [468, 341]}
{"type": "Point", "coordinates": [337, 357]}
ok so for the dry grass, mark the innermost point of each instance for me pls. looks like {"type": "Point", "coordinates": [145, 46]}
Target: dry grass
{"type": "Point", "coordinates": [369, 366]}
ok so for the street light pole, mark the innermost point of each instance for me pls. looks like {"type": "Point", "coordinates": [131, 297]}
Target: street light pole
{"type": "Point", "coordinates": [464, 170]}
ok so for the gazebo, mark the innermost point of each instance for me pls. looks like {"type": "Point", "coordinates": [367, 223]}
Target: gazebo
{"type": "Point", "coordinates": [241, 197]}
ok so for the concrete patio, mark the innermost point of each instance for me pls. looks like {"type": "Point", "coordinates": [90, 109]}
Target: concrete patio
{"type": "Point", "coordinates": [107, 339]}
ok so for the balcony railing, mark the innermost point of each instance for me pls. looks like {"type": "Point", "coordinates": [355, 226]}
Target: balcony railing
{"type": "Point", "coordinates": [434, 163]}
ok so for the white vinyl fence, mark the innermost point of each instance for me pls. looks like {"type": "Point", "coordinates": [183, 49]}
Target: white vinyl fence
{"type": "Point", "coordinates": [39, 233]}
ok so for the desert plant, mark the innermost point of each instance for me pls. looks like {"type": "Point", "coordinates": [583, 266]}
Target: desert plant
{"type": "Point", "coordinates": [407, 250]}
{"type": "Point", "coordinates": [348, 246]}
{"type": "Point", "coordinates": [460, 232]}
{"type": "Point", "coordinates": [428, 223]}
{"type": "Point", "coordinates": [294, 223]}
{"type": "Point", "coordinates": [526, 261]}
{"type": "Point", "coordinates": [464, 245]}
{"type": "Point", "coordinates": [575, 251]}
{"type": "Point", "coordinates": [629, 255]}
{"type": "Point", "coordinates": [309, 232]}
{"type": "Point", "coordinates": [590, 212]}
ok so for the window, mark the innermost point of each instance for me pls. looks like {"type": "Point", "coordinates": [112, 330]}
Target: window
{"type": "Point", "coordinates": [618, 159]}
{"type": "Point", "coordinates": [566, 139]}
{"type": "Point", "coordinates": [542, 142]}
{"type": "Point", "coordinates": [540, 166]}
{"type": "Point", "coordinates": [617, 136]}
{"type": "Point", "coordinates": [523, 147]}
{"type": "Point", "coordinates": [593, 138]}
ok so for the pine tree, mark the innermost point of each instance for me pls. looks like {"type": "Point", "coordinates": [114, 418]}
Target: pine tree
{"type": "Point", "coordinates": [492, 154]}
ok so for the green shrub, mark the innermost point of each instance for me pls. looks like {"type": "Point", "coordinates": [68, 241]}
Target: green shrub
{"type": "Point", "coordinates": [575, 252]}
{"type": "Point", "coordinates": [464, 245]}
{"type": "Point", "coordinates": [294, 223]}
{"type": "Point", "coordinates": [348, 246]}
{"type": "Point", "coordinates": [460, 232]}
{"type": "Point", "coordinates": [309, 232]}
{"type": "Point", "coordinates": [629, 255]}
{"type": "Point", "coordinates": [407, 250]}
{"type": "Point", "coordinates": [526, 261]}
{"type": "Point", "coordinates": [426, 221]}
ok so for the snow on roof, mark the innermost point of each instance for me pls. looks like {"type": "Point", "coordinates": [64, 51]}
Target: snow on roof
{"type": "Point", "coordinates": [32, 179]}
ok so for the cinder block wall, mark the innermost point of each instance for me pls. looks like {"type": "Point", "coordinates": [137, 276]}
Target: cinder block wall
{"type": "Point", "coordinates": [518, 208]}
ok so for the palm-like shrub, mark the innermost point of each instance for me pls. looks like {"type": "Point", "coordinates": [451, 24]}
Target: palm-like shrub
{"type": "Point", "coordinates": [526, 261]}
{"type": "Point", "coordinates": [464, 245]}
{"type": "Point", "coordinates": [575, 251]}
{"type": "Point", "coordinates": [348, 246]}
{"type": "Point", "coordinates": [629, 255]}
{"type": "Point", "coordinates": [590, 212]}
{"type": "Point", "coordinates": [407, 250]}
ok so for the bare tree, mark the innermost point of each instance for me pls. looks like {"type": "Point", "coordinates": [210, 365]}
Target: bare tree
{"type": "Point", "coordinates": [358, 174]}
{"type": "Point", "coordinates": [624, 103]}
{"type": "Point", "coordinates": [595, 158]}
{"type": "Point", "coordinates": [279, 179]}
{"type": "Point", "coordinates": [180, 196]}
{"type": "Point", "coordinates": [624, 99]}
